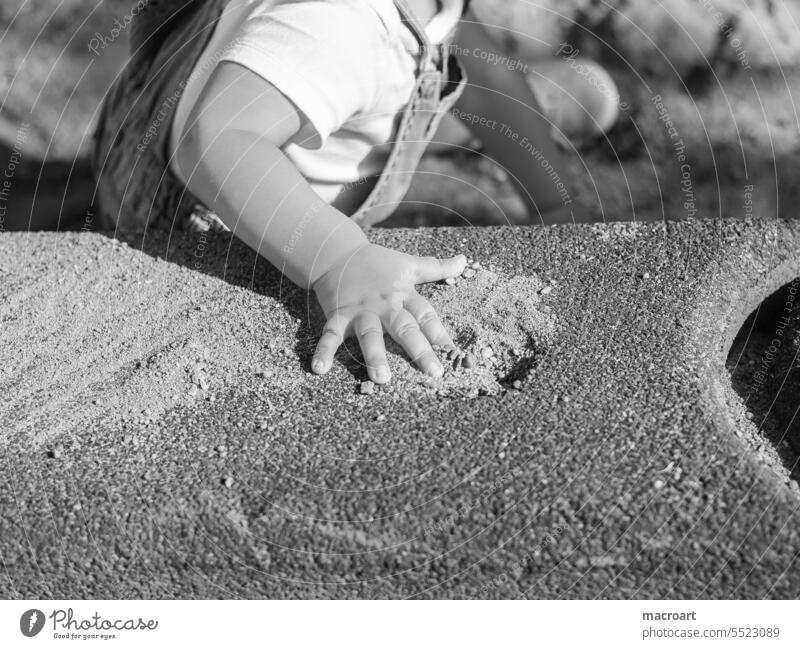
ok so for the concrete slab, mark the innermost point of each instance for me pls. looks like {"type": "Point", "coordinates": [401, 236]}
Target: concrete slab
{"type": "Point", "coordinates": [162, 437]}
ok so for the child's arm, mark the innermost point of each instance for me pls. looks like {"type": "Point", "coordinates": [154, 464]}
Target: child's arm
{"type": "Point", "coordinates": [230, 154]}
{"type": "Point", "coordinates": [515, 132]}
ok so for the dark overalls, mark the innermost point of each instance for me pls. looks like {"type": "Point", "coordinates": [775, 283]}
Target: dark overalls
{"type": "Point", "coordinates": [136, 188]}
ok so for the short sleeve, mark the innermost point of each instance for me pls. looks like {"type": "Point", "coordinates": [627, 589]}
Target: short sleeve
{"type": "Point", "coordinates": [318, 53]}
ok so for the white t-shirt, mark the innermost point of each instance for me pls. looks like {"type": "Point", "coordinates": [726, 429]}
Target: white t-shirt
{"type": "Point", "coordinates": [348, 65]}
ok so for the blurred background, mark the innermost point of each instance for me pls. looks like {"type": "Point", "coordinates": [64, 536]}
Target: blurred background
{"type": "Point", "coordinates": [725, 72]}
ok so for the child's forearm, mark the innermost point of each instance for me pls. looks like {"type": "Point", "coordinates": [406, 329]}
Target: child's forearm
{"type": "Point", "coordinates": [230, 153]}
{"type": "Point", "coordinates": [262, 197]}
{"type": "Point", "coordinates": [514, 130]}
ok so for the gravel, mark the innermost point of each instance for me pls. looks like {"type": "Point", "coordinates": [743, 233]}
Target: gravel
{"type": "Point", "coordinates": [330, 504]}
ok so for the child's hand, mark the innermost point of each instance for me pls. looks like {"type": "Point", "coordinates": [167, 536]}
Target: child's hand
{"type": "Point", "coordinates": [372, 290]}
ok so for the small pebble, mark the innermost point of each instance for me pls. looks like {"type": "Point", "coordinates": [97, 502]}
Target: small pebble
{"type": "Point", "coordinates": [54, 454]}
{"type": "Point", "coordinates": [658, 484]}
{"type": "Point", "coordinates": [228, 482]}
{"type": "Point", "coordinates": [380, 418]}
{"type": "Point", "coordinates": [546, 290]}
{"type": "Point", "coordinates": [367, 387]}
{"type": "Point", "coordinates": [450, 281]}
{"type": "Point", "coordinates": [487, 352]}
{"type": "Point", "coordinates": [452, 354]}
{"type": "Point", "coordinates": [469, 273]}
{"type": "Point", "coordinates": [469, 361]}
{"type": "Point", "coordinates": [476, 265]}
{"type": "Point", "coordinates": [517, 385]}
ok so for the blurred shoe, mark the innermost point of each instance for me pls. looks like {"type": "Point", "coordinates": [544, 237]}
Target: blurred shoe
{"type": "Point", "coordinates": [578, 96]}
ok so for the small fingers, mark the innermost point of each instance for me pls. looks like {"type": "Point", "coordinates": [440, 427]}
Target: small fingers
{"type": "Point", "coordinates": [369, 332]}
{"type": "Point", "coordinates": [329, 342]}
{"type": "Point", "coordinates": [406, 331]}
{"type": "Point", "coordinates": [432, 269]}
{"type": "Point", "coordinates": [428, 321]}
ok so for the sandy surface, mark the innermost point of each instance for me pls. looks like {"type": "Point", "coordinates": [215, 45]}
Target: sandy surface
{"type": "Point", "coordinates": [163, 436]}
{"type": "Point", "coordinates": [502, 323]}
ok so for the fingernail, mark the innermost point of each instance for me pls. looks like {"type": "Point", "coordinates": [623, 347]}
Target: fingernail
{"type": "Point", "coordinates": [436, 371]}
{"type": "Point", "coordinates": [382, 374]}
{"type": "Point", "coordinates": [317, 366]}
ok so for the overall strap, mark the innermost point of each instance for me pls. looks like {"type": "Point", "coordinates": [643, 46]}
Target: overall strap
{"type": "Point", "coordinates": [430, 57]}
{"type": "Point", "coordinates": [440, 81]}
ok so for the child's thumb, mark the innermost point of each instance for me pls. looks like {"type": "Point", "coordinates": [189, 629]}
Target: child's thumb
{"type": "Point", "coordinates": [432, 269]}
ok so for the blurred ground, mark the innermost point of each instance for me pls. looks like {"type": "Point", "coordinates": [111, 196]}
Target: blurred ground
{"type": "Point", "coordinates": [722, 72]}
{"type": "Point", "coordinates": [725, 73]}
{"type": "Point", "coordinates": [48, 76]}
{"type": "Point", "coordinates": [51, 87]}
